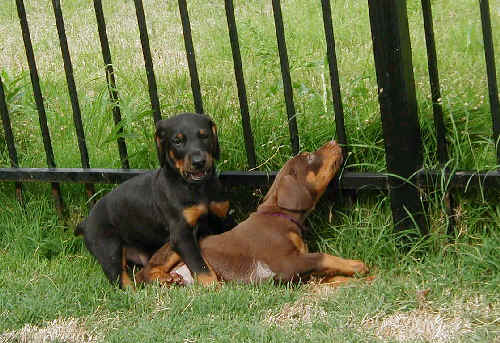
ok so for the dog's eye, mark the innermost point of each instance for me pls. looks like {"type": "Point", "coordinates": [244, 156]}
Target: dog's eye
{"type": "Point", "coordinates": [203, 134]}
{"type": "Point", "coordinates": [161, 133]}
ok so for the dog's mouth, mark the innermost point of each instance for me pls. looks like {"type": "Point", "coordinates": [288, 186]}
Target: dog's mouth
{"type": "Point", "coordinates": [197, 175]}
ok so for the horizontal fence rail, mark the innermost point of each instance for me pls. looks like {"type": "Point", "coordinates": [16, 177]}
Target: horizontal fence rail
{"type": "Point", "coordinates": [396, 95]}
{"type": "Point", "coordinates": [348, 180]}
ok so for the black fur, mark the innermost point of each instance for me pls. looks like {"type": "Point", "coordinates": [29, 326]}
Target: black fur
{"type": "Point", "coordinates": [146, 211]}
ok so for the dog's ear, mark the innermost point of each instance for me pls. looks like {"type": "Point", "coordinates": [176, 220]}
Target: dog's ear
{"type": "Point", "coordinates": [161, 143]}
{"type": "Point", "coordinates": [293, 195]}
{"type": "Point", "coordinates": [216, 148]}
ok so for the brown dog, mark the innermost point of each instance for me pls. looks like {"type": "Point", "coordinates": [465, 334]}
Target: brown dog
{"type": "Point", "coordinates": [269, 243]}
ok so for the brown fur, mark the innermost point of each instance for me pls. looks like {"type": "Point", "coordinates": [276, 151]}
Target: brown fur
{"type": "Point", "coordinates": [269, 243]}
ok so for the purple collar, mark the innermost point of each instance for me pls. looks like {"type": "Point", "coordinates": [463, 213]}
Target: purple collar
{"type": "Point", "coordinates": [282, 215]}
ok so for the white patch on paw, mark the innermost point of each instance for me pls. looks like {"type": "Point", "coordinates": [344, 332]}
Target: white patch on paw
{"type": "Point", "coordinates": [186, 274]}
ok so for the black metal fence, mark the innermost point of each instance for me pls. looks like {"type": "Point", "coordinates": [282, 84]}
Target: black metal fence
{"type": "Point", "coordinates": [397, 99]}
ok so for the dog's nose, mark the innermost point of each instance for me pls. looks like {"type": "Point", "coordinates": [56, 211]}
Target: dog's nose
{"type": "Point", "coordinates": [198, 161]}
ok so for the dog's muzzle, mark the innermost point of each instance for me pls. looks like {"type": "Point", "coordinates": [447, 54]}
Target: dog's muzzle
{"type": "Point", "coordinates": [197, 176]}
{"type": "Point", "coordinates": [200, 168]}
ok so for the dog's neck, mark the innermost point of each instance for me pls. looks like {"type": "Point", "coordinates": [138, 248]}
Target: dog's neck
{"type": "Point", "coordinates": [295, 216]}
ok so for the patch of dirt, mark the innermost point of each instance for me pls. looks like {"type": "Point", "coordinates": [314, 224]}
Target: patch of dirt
{"type": "Point", "coordinates": [426, 323]}
{"type": "Point", "coordinates": [68, 330]}
{"type": "Point", "coordinates": [459, 318]}
{"type": "Point", "coordinates": [419, 325]}
{"type": "Point", "coordinates": [305, 310]}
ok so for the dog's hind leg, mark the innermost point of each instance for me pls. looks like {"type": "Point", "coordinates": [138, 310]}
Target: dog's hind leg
{"type": "Point", "coordinates": [319, 264]}
{"type": "Point", "coordinates": [124, 278]}
{"type": "Point", "coordinates": [338, 280]}
{"type": "Point", "coordinates": [108, 251]}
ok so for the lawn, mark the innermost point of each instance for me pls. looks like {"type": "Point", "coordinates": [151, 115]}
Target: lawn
{"type": "Point", "coordinates": [442, 290]}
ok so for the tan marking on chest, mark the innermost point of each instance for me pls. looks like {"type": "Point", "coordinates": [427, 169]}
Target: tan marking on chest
{"type": "Point", "coordinates": [297, 240]}
{"type": "Point", "coordinates": [193, 213]}
{"type": "Point", "coordinates": [220, 209]}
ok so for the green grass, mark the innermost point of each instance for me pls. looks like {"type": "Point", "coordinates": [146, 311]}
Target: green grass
{"type": "Point", "coordinates": [47, 276]}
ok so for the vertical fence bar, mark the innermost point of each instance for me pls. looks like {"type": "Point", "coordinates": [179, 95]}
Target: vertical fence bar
{"type": "Point", "coordinates": [68, 69]}
{"type": "Point", "coordinates": [148, 62]}
{"type": "Point", "coordinates": [285, 74]}
{"type": "Point", "coordinates": [110, 79]}
{"type": "Point", "coordinates": [334, 75]}
{"type": "Point", "coordinates": [240, 83]}
{"type": "Point", "coordinates": [191, 58]}
{"type": "Point", "coordinates": [9, 137]}
{"type": "Point", "coordinates": [37, 94]}
{"type": "Point", "coordinates": [489, 55]}
{"type": "Point", "coordinates": [398, 109]}
{"type": "Point", "coordinates": [437, 109]}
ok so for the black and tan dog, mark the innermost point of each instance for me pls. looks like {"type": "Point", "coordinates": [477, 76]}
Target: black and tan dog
{"type": "Point", "coordinates": [176, 203]}
{"type": "Point", "coordinates": [269, 243]}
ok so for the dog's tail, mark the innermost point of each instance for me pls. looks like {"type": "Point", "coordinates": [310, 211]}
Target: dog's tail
{"type": "Point", "coordinates": [80, 228]}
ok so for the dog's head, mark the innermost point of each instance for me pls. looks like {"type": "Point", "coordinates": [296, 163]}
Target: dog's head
{"type": "Point", "coordinates": [304, 178]}
{"type": "Point", "coordinates": [188, 144]}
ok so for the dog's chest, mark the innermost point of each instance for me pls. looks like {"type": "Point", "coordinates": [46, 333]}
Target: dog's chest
{"type": "Point", "coordinates": [298, 242]}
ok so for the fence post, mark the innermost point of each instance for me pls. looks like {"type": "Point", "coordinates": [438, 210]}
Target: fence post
{"type": "Point", "coordinates": [398, 109]}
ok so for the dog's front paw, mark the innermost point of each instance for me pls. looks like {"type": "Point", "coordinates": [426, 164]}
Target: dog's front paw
{"type": "Point", "coordinates": [358, 267]}
{"type": "Point", "coordinates": [171, 278]}
{"type": "Point", "coordinates": [165, 278]}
